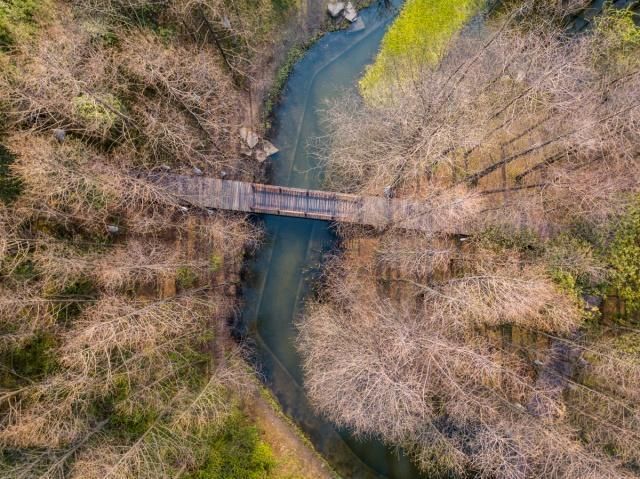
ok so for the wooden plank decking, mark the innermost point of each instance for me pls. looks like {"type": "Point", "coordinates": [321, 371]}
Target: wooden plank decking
{"type": "Point", "coordinates": [284, 201]}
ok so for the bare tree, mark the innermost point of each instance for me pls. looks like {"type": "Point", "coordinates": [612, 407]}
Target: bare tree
{"type": "Point", "coordinates": [539, 129]}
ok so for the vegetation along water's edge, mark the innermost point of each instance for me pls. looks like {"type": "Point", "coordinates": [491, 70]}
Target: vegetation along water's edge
{"type": "Point", "coordinates": [501, 341]}
{"type": "Point", "coordinates": [510, 350]}
{"type": "Point", "coordinates": [114, 295]}
{"type": "Point", "coordinates": [418, 37]}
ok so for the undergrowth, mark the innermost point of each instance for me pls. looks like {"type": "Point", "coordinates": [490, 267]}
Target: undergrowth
{"type": "Point", "coordinates": [237, 452]}
{"type": "Point", "coordinates": [18, 20]}
{"type": "Point", "coordinates": [624, 257]}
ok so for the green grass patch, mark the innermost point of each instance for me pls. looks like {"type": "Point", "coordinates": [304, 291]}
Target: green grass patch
{"type": "Point", "coordinates": [34, 359]}
{"type": "Point", "coordinates": [283, 5]}
{"type": "Point", "coordinates": [624, 257]}
{"type": "Point", "coordinates": [10, 186]}
{"type": "Point", "coordinates": [237, 452]}
{"type": "Point", "coordinates": [418, 37]}
{"type": "Point", "coordinates": [19, 19]}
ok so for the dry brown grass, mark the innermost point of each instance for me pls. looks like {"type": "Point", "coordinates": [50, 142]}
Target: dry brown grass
{"type": "Point", "coordinates": [129, 292]}
{"type": "Point", "coordinates": [526, 133]}
{"type": "Point", "coordinates": [530, 118]}
{"type": "Point", "coordinates": [412, 373]}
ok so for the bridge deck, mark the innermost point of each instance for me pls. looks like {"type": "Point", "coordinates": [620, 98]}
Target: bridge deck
{"type": "Point", "coordinates": [284, 201]}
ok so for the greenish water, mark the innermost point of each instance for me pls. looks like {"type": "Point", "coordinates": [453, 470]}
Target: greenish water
{"type": "Point", "coordinates": [278, 278]}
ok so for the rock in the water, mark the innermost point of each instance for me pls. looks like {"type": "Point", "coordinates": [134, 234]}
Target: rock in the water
{"type": "Point", "coordinates": [197, 171]}
{"type": "Point", "coordinates": [269, 148]}
{"type": "Point", "coordinates": [335, 8]}
{"type": "Point", "coordinates": [261, 156]}
{"type": "Point", "coordinates": [350, 12]}
{"type": "Point", "coordinates": [357, 25]}
{"type": "Point", "coordinates": [592, 302]}
{"type": "Point", "coordinates": [113, 229]}
{"type": "Point", "coordinates": [265, 151]}
{"type": "Point", "coordinates": [249, 136]}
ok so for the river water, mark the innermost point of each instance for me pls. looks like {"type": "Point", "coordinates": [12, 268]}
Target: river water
{"type": "Point", "coordinates": [279, 276]}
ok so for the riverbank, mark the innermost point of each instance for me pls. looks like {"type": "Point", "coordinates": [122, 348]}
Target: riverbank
{"type": "Point", "coordinates": [483, 353]}
{"type": "Point", "coordinates": [279, 276]}
{"type": "Point", "coordinates": [297, 456]}
{"type": "Point", "coordinates": [114, 346]}
{"type": "Point", "coordinates": [418, 38]}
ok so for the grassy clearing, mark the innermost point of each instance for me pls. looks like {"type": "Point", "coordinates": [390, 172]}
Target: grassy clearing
{"type": "Point", "coordinates": [237, 452]}
{"type": "Point", "coordinates": [18, 19]}
{"type": "Point", "coordinates": [418, 37]}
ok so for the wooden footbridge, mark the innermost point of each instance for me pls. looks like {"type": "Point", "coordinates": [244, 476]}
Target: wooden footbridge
{"type": "Point", "coordinates": [285, 201]}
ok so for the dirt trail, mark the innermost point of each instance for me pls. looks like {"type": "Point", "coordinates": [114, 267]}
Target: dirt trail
{"type": "Point", "coordinates": [296, 457]}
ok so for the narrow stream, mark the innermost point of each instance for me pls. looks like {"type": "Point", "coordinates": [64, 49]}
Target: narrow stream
{"type": "Point", "coordinates": [278, 278]}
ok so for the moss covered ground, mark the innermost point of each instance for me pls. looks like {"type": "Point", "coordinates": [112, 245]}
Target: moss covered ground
{"type": "Point", "coordinates": [417, 37]}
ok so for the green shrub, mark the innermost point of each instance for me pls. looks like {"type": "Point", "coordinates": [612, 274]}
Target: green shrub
{"type": "Point", "coordinates": [628, 344]}
{"type": "Point", "coordinates": [215, 262]}
{"type": "Point", "coordinates": [619, 39]}
{"type": "Point", "coordinates": [186, 278]}
{"type": "Point", "coordinates": [237, 452]}
{"type": "Point", "coordinates": [24, 271]}
{"type": "Point", "coordinates": [18, 19]}
{"type": "Point", "coordinates": [100, 115]}
{"type": "Point", "coordinates": [574, 264]}
{"type": "Point", "coordinates": [34, 359]}
{"type": "Point", "coordinates": [499, 238]}
{"type": "Point", "coordinates": [565, 281]}
{"type": "Point", "coordinates": [417, 37]}
{"type": "Point", "coordinates": [282, 5]}
{"type": "Point", "coordinates": [166, 34]}
{"type": "Point", "coordinates": [147, 14]}
{"type": "Point", "coordinates": [624, 257]}
{"type": "Point", "coordinates": [10, 186]}
{"type": "Point", "coordinates": [101, 33]}
{"type": "Point", "coordinates": [132, 424]}
{"type": "Point", "coordinates": [74, 293]}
